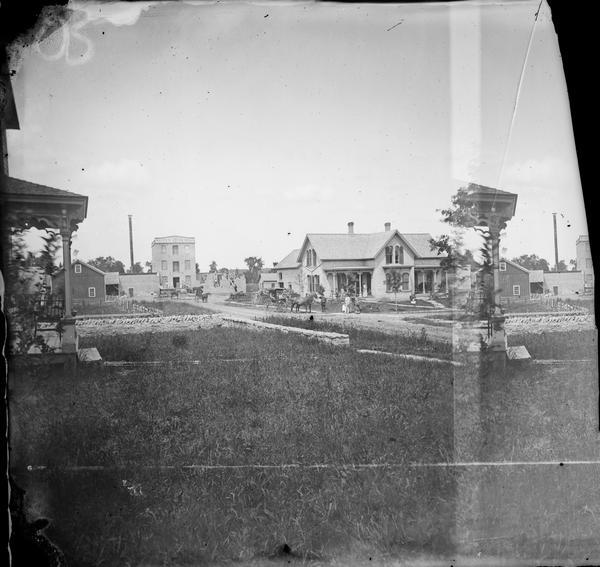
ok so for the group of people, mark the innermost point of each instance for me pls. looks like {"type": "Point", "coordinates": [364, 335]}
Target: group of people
{"type": "Point", "coordinates": [350, 304]}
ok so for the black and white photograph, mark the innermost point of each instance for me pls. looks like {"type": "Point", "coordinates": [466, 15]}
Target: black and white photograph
{"type": "Point", "coordinates": [296, 283]}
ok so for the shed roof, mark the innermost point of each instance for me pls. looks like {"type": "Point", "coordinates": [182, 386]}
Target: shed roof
{"type": "Point", "coordinates": [536, 276]}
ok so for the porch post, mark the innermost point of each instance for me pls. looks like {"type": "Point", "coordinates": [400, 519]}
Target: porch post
{"type": "Point", "coordinates": [66, 245]}
{"type": "Point", "coordinates": [69, 342]}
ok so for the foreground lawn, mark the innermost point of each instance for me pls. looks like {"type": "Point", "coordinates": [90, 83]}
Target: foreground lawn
{"type": "Point", "coordinates": [181, 464]}
{"type": "Point", "coordinates": [260, 397]}
{"type": "Point", "coordinates": [275, 400]}
{"type": "Point", "coordinates": [416, 342]}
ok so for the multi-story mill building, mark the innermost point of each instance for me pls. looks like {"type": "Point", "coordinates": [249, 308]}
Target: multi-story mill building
{"type": "Point", "coordinates": [174, 260]}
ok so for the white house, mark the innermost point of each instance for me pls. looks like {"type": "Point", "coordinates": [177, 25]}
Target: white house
{"type": "Point", "coordinates": [368, 263]}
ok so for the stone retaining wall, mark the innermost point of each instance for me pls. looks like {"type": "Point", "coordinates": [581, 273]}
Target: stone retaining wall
{"type": "Point", "coordinates": [332, 338]}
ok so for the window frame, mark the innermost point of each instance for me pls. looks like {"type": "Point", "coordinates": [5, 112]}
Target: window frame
{"type": "Point", "coordinates": [75, 268]}
{"type": "Point", "coordinates": [175, 250]}
{"type": "Point", "coordinates": [164, 265]}
{"type": "Point", "coordinates": [90, 290]}
{"type": "Point", "coordinates": [175, 270]}
{"type": "Point", "coordinates": [389, 254]}
{"type": "Point", "coordinates": [502, 266]}
{"type": "Point", "coordinates": [516, 287]}
{"type": "Point", "coordinates": [398, 254]}
{"type": "Point", "coordinates": [405, 282]}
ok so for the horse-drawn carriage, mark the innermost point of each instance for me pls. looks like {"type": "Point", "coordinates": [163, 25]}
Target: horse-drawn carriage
{"type": "Point", "coordinates": [276, 297]}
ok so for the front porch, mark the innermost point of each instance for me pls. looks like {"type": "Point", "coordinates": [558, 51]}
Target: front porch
{"type": "Point", "coordinates": [357, 282]}
{"type": "Point", "coordinates": [44, 326]}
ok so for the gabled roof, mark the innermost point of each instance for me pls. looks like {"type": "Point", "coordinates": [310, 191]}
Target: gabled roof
{"type": "Point", "coordinates": [365, 246]}
{"type": "Point", "coordinates": [487, 190]}
{"type": "Point", "coordinates": [515, 265]}
{"type": "Point", "coordinates": [86, 265]}
{"type": "Point", "coordinates": [14, 186]}
{"type": "Point", "coordinates": [419, 242]}
{"type": "Point", "coordinates": [290, 261]}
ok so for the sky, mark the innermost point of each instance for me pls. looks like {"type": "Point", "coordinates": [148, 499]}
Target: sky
{"type": "Point", "coordinates": [248, 125]}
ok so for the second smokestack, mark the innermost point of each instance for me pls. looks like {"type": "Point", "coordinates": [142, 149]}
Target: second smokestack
{"type": "Point", "coordinates": [131, 242]}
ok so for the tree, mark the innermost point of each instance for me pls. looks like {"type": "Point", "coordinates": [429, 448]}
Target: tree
{"type": "Point", "coordinates": [148, 267]}
{"type": "Point", "coordinates": [460, 215]}
{"type": "Point", "coordinates": [136, 269]}
{"type": "Point", "coordinates": [22, 293]}
{"type": "Point", "coordinates": [451, 246]}
{"type": "Point", "coordinates": [108, 264]}
{"type": "Point", "coordinates": [255, 265]}
{"type": "Point", "coordinates": [573, 264]}
{"type": "Point", "coordinates": [213, 267]}
{"type": "Point", "coordinates": [48, 255]}
{"type": "Point", "coordinates": [562, 266]}
{"type": "Point", "coordinates": [395, 284]}
{"type": "Point", "coordinates": [532, 262]}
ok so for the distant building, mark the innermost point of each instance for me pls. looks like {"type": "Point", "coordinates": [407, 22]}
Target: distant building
{"type": "Point", "coordinates": [139, 286]}
{"type": "Point", "coordinates": [289, 272]}
{"type": "Point", "coordinates": [536, 281]}
{"type": "Point", "coordinates": [585, 262]}
{"type": "Point", "coordinates": [174, 260]}
{"type": "Point", "coordinates": [564, 284]}
{"type": "Point", "coordinates": [514, 281]}
{"type": "Point", "coordinates": [268, 279]}
{"type": "Point", "coordinates": [87, 283]}
{"type": "Point", "coordinates": [225, 282]}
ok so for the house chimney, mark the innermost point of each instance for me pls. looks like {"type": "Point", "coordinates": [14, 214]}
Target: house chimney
{"type": "Point", "coordinates": [350, 228]}
{"type": "Point", "coordinates": [388, 226]}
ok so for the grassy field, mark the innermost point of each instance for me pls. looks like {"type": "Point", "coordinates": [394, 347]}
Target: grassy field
{"type": "Point", "coordinates": [258, 447]}
{"type": "Point", "coordinates": [282, 400]}
{"type": "Point", "coordinates": [416, 342]}
{"type": "Point", "coordinates": [565, 345]}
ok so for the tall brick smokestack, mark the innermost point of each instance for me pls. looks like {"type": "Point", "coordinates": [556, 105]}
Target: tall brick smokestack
{"type": "Point", "coordinates": [131, 241]}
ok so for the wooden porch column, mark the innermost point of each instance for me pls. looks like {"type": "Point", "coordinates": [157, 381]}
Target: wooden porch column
{"type": "Point", "coordinates": [69, 341]}
{"type": "Point", "coordinates": [66, 245]}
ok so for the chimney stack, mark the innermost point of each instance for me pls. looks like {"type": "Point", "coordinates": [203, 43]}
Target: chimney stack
{"type": "Point", "coordinates": [131, 241]}
{"type": "Point", "coordinates": [350, 228]}
{"type": "Point", "coordinates": [388, 226]}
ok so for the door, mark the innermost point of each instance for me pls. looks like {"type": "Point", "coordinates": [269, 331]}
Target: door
{"type": "Point", "coordinates": [176, 283]}
{"type": "Point", "coordinates": [555, 290]}
{"type": "Point", "coordinates": [130, 292]}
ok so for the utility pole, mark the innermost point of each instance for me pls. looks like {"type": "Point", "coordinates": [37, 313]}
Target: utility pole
{"type": "Point", "coordinates": [555, 244]}
{"type": "Point", "coordinates": [131, 242]}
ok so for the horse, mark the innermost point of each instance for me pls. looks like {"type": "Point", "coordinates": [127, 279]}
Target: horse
{"type": "Point", "coordinates": [306, 301]}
